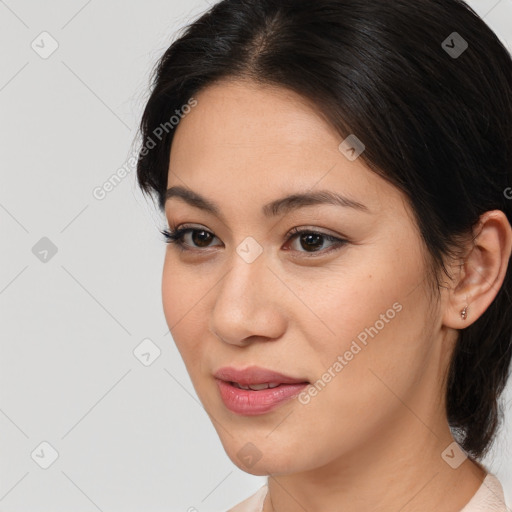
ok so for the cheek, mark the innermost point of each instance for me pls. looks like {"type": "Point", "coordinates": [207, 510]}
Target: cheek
{"type": "Point", "coordinates": [184, 306]}
{"type": "Point", "coordinates": [374, 293]}
{"type": "Point", "coordinates": [377, 349]}
{"type": "Point", "coordinates": [351, 304]}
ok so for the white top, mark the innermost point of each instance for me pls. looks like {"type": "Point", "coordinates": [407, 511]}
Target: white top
{"type": "Point", "coordinates": [488, 498]}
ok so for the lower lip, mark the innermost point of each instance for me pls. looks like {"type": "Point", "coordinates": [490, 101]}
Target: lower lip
{"type": "Point", "coordinates": [251, 403]}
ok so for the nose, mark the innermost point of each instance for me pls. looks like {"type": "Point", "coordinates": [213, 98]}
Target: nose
{"type": "Point", "coordinates": [249, 305]}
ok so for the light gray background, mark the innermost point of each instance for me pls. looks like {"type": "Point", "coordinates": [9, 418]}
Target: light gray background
{"type": "Point", "coordinates": [129, 437]}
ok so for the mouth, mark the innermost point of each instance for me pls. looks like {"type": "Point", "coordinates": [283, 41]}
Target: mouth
{"type": "Point", "coordinates": [255, 390]}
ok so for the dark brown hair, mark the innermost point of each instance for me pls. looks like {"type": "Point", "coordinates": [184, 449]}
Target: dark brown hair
{"type": "Point", "coordinates": [435, 117]}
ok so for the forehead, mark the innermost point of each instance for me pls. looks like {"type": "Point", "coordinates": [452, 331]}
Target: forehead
{"type": "Point", "coordinates": [244, 115]}
{"type": "Point", "coordinates": [249, 140]}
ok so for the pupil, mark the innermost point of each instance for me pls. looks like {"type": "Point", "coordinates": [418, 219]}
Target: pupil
{"type": "Point", "coordinates": [200, 241]}
{"type": "Point", "coordinates": [310, 239]}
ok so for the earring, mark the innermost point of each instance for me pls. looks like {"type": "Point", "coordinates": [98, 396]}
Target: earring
{"type": "Point", "coordinates": [464, 313]}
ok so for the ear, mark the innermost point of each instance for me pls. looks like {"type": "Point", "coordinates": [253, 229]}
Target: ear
{"type": "Point", "coordinates": [481, 272]}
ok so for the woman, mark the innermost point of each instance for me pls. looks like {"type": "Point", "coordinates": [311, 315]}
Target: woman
{"type": "Point", "coordinates": [336, 179]}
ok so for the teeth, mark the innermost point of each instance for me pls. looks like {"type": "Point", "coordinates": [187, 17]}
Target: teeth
{"type": "Point", "coordinates": [257, 387]}
{"type": "Point", "coordinates": [239, 386]}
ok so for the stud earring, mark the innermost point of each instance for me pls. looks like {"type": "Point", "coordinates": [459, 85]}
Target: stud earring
{"type": "Point", "coordinates": [464, 313]}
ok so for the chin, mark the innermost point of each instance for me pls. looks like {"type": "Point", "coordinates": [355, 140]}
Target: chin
{"type": "Point", "coordinates": [262, 460]}
{"type": "Point", "coordinates": [265, 468]}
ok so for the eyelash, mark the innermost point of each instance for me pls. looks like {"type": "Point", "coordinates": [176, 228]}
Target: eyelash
{"type": "Point", "coordinates": [176, 237]}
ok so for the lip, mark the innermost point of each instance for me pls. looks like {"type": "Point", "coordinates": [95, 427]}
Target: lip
{"type": "Point", "coordinates": [249, 402]}
{"type": "Point", "coordinates": [255, 375]}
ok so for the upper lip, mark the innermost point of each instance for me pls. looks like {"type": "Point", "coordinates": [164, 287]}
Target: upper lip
{"type": "Point", "coordinates": [254, 375]}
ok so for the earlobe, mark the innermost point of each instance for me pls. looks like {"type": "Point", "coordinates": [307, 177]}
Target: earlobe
{"type": "Point", "coordinates": [482, 272]}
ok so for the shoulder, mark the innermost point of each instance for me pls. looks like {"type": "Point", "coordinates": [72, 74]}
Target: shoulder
{"type": "Point", "coordinates": [488, 498]}
{"type": "Point", "coordinates": [253, 503]}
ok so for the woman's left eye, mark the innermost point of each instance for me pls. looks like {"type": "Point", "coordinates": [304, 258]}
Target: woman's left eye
{"type": "Point", "coordinates": [309, 240]}
{"type": "Point", "coordinates": [314, 240]}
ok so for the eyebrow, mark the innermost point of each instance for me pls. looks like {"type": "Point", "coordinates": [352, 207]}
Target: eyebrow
{"type": "Point", "coordinates": [278, 207]}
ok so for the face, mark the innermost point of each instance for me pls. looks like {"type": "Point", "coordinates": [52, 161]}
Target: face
{"type": "Point", "coordinates": [344, 306]}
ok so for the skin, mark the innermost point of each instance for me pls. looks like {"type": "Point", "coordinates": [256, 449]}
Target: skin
{"type": "Point", "coordinates": [372, 438]}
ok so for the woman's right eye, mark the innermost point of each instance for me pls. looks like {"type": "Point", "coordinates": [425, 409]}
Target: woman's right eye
{"type": "Point", "coordinates": [197, 238]}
